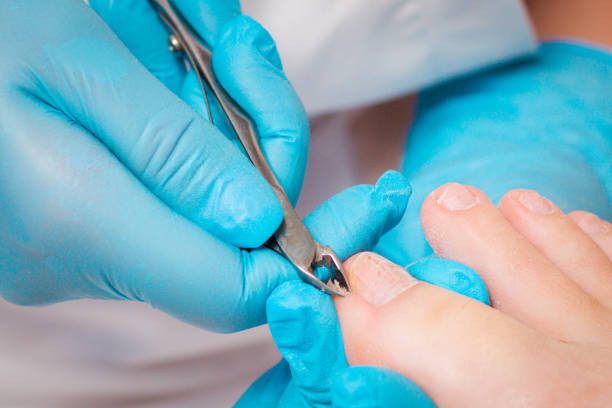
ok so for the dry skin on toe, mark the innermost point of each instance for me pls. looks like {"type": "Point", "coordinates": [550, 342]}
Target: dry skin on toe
{"type": "Point", "coordinates": [374, 283]}
{"type": "Point", "coordinates": [377, 280]}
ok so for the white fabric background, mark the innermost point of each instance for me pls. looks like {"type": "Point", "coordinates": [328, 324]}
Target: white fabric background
{"type": "Point", "coordinates": [346, 53]}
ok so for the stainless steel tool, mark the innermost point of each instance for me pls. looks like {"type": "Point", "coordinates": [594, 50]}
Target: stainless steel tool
{"type": "Point", "coordinates": [292, 240]}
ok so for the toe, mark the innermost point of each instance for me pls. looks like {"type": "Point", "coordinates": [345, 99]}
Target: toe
{"type": "Point", "coordinates": [462, 224]}
{"type": "Point", "coordinates": [572, 250]}
{"type": "Point", "coordinates": [434, 337]}
{"type": "Point", "coordinates": [599, 230]}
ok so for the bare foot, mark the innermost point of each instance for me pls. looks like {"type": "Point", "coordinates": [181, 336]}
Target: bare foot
{"type": "Point", "coordinates": [547, 341]}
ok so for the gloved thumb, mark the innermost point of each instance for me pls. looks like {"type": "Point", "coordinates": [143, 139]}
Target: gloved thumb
{"type": "Point", "coordinates": [450, 275]}
{"type": "Point", "coordinates": [305, 328]}
{"type": "Point", "coordinates": [207, 17]}
{"type": "Point", "coordinates": [377, 387]}
{"type": "Point", "coordinates": [302, 319]}
{"type": "Point", "coordinates": [383, 204]}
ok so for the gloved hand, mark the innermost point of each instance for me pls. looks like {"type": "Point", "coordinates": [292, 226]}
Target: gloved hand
{"type": "Point", "coordinates": [139, 27]}
{"type": "Point", "coordinates": [541, 124]}
{"type": "Point", "coordinates": [137, 24]}
{"type": "Point", "coordinates": [314, 371]}
{"type": "Point", "coordinates": [112, 187]}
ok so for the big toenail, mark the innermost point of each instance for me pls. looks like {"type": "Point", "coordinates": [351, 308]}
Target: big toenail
{"type": "Point", "coordinates": [377, 280]}
{"type": "Point", "coordinates": [593, 225]}
{"type": "Point", "coordinates": [536, 203]}
{"type": "Point", "coordinates": [457, 197]}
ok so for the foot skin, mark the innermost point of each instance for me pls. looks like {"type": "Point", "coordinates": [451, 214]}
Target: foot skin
{"type": "Point", "coordinates": [547, 340]}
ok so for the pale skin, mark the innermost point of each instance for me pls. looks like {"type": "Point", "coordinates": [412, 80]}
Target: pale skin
{"type": "Point", "coordinates": [547, 340]}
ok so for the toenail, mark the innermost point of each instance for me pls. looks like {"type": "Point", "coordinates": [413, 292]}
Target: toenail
{"type": "Point", "coordinates": [593, 225]}
{"type": "Point", "coordinates": [536, 203]}
{"type": "Point", "coordinates": [457, 197]}
{"type": "Point", "coordinates": [377, 280]}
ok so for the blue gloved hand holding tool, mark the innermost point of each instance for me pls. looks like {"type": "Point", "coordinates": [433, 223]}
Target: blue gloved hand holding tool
{"type": "Point", "coordinates": [112, 187]}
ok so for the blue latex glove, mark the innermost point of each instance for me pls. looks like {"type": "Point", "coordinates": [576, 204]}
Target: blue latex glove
{"type": "Point", "coordinates": [140, 28]}
{"type": "Point", "coordinates": [542, 123]}
{"type": "Point", "coordinates": [314, 371]}
{"type": "Point", "coordinates": [112, 187]}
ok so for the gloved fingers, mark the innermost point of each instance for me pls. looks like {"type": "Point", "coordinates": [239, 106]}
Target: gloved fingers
{"type": "Point", "coordinates": [302, 319]}
{"type": "Point", "coordinates": [268, 389]}
{"type": "Point", "coordinates": [349, 222]}
{"type": "Point", "coordinates": [138, 25]}
{"type": "Point", "coordinates": [232, 286]}
{"type": "Point", "coordinates": [185, 161]}
{"type": "Point", "coordinates": [208, 17]}
{"type": "Point", "coordinates": [248, 66]}
{"type": "Point", "coordinates": [199, 279]}
{"type": "Point", "coordinates": [377, 387]}
{"type": "Point", "coordinates": [363, 213]}
{"type": "Point", "coordinates": [52, 211]}
{"type": "Point", "coordinates": [115, 235]}
{"type": "Point", "coordinates": [305, 328]}
{"type": "Point", "coordinates": [451, 275]}
{"type": "Point", "coordinates": [75, 223]}
{"type": "Point", "coordinates": [192, 94]}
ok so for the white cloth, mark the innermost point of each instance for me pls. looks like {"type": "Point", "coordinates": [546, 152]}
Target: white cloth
{"type": "Point", "coordinates": [99, 354]}
{"type": "Point", "coordinates": [345, 53]}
